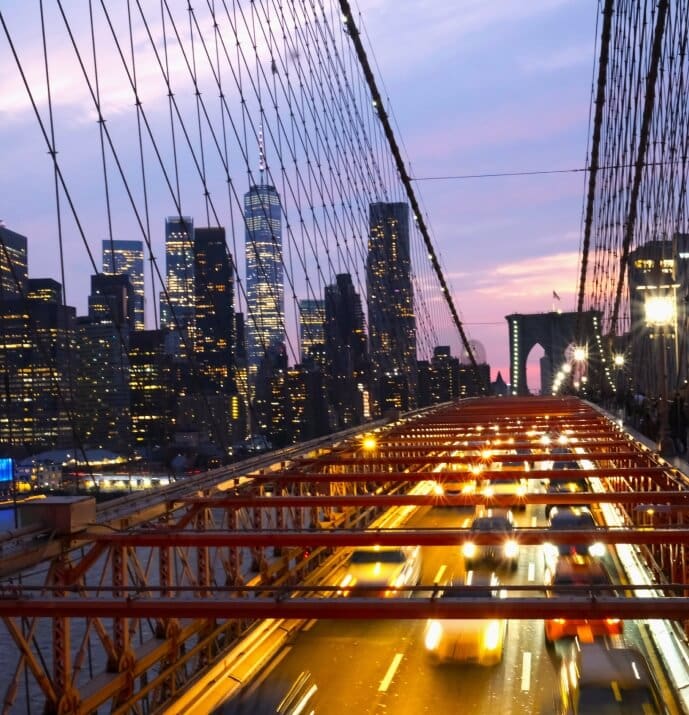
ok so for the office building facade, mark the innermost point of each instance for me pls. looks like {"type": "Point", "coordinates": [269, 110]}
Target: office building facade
{"type": "Point", "coordinates": [265, 293]}
{"type": "Point", "coordinates": [391, 320]}
{"type": "Point", "coordinates": [347, 364]}
{"type": "Point", "coordinates": [177, 311]}
{"type": "Point", "coordinates": [311, 331]}
{"type": "Point", "coordinates": [13, 264]}
{"type": "Point", "coordinates": [127, 258]}
{"type": "Point", "coordinates": [214, 311]}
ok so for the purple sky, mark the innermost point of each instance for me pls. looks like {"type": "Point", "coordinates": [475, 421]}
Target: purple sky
{"type": "Point", "coordinates": [506, 87]}
{"type": "Point", "coordinates": [475, 87]}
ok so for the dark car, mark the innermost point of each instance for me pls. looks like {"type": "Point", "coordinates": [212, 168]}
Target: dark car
{"type": "Point", "coordinates": [270, 698]}
{"type": "Point", "coordinates": [596, 679]}
{"type": "Point", "coordinates": [572, 486]}
{"type": "Point", "coordinates": [571, 519]}
{"type": "Point", "coordinates": [506, 552]}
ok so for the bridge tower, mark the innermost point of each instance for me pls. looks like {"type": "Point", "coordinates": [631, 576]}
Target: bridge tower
{"type": "Point", "coordinates": [555, 333]}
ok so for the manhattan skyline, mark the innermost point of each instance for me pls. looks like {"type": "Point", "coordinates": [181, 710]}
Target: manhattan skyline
{"type": "Point", "coordinates": [502, 91]}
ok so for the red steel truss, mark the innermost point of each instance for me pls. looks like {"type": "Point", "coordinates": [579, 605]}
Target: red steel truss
{"type": "Point", "coordinates": [154, 588]}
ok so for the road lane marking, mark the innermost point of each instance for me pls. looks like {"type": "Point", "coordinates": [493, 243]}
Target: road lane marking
{"type": "Point", "coordinates": [534, 521]}
{"type": "Point", "coordinates": [440, 573]}
{"type": "Point", "coordinates": [526, 670]}
{"type": "Point", "coordinates": [531, 573]}
{"type": "Point", "coordinates": [385, 682]}
{"type": "Point", "coordinates": [310, 624]}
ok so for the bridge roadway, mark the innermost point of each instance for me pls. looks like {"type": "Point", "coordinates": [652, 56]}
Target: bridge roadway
{"type": "Point", "coordinates": [377, 667]}
{"type": "Point", "coordinates": [195, 537]}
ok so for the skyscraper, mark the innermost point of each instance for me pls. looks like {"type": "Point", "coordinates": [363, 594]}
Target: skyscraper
{"type": "Point", "coordinates": [103, 376]}
{"type": "Point", "coordinates": [127, 257]}
{"type": "Point", "coordinates": [151, 390]}
{"type": "Point", "coordinates": [13, 264]}
{"type": "Point", "coordinates": [214, 297]}
{"type": "Point", "coordinates": [177, 316]}
{"type": "Point", "coordinates": [265, 291]}
{"type": "Point", "coordinates": [391, 321]}
{"type": "Point", "coordinates": [311, 335]}
{"type": "Point", "coordinates": [345, 349]}
{"type": "Point", "coordinates": [111, 300]}
{"type": "Point", "coordinates": [36, 344]}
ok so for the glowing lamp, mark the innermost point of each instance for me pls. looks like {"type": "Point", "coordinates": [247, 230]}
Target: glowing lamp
{"type": "Point", "coordinates": [660, 310]}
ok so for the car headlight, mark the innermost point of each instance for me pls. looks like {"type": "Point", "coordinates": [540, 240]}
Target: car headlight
{"type": "Point", "coordinates": [511, 549]}
{"type": "Point", "coordinates": [521, 490]}
{"type": "Point", "coordinates": [488, 491]}
{"type": "Point", "coordinates": [597, 549]}
{"type": "Point", "coordinates": [348, 580]}
{"type": "Point", "coordinates": [434, 633]}
{"type": "Point", "coordinates": [469, 549]}
{"type": "Point", "coordinates": [550, 551]}
{"type": "Point", "coordinates": [491, 637]}
{"type": "Point", "coordinates": [438, 489]}
{"type": "Point", "coordinates": [469, 488]}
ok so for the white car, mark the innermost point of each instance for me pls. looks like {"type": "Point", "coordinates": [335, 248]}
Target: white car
{"type": "Point", "coordinates": [476, 640]}
{"type": "Point", "coordinates": [382, 570]}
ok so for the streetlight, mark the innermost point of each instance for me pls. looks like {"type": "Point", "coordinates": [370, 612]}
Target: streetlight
{"type": "Point", "coordinates": [660, 310]}
{"type": "Point", "coordinates": [369, 443]}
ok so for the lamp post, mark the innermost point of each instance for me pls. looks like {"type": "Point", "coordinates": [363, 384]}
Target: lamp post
{"type": "Point", "coordinates": [660, 309]}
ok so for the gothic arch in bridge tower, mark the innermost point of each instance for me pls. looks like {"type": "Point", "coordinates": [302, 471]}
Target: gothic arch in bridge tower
{"type": "Point", "coordinates": [554, 332]}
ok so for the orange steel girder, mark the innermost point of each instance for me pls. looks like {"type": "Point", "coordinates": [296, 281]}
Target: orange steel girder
{"type": "Point", "coordinates": [396, 537]}
{"type": "Point", "coordinates": [589, 605]}
{"type": "Point", "coordinates": [198, 543]}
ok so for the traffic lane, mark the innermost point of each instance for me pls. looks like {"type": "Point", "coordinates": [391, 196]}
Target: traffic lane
{"type": "Point", "coordinates": [382, 666]}
{"type": "Point", "coordinates": [522, 682]}
{"type": "Point", "coordinates": [353, 663]}
{"type": "Point", "coordinates": [412, 683]}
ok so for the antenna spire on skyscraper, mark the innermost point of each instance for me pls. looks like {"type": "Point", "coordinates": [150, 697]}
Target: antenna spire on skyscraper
{"type": "Point", "coordinates": [261, 152]}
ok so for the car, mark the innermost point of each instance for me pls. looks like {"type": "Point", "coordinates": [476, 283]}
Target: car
{"type": "Point", "coordinates": [516, 460]}
{"type": "Point", "coordinates": [571, 487]}
{"type": "Point", "coordinates": [382, 570]}
{"type": "Point", "coordinates": [506, 485]}
{"type": "Point", "coordinates": [476, 640]}
{"type": "Point", "coordinates": [571, 519]}
{"type": "Point", "coordinates": [278, 698]}
{"type": "Point", "coordinates": [596, 679]}
{"type": "Point", "coordinates": [459, 481]}
{"type": "Point", "coordinates": [575, 485]}
{"type": "Point", "coordinates": [579, 572]}
{"type": "Point", "coordinates": [556, 464]}
{"type": "Point", "coordinates": [506, 552]}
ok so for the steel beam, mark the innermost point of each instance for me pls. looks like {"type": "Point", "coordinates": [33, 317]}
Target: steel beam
{"type": "Point", "coordinates": [291, 475]}
{"type": "Point", "coordinates": [434, 500]}
{"type": "Point", "coordinates": [390, 537]}
{"type": "Point", "coordinates": [587, 606]}
{"type": "Point", "coordinates": [635, 455]}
